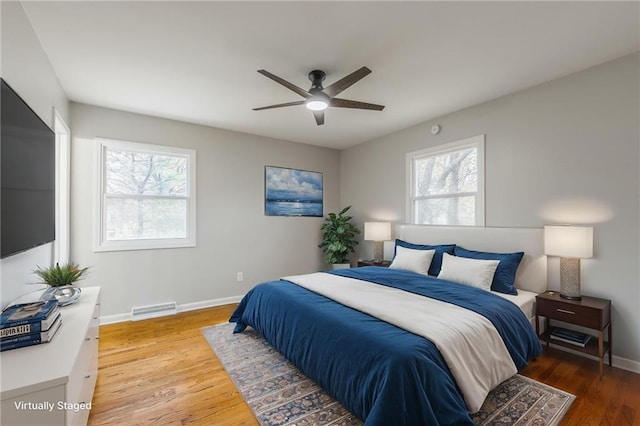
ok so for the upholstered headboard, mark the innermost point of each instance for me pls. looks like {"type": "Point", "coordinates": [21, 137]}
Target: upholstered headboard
{"type": "Point", "coordinates": [532, 272]}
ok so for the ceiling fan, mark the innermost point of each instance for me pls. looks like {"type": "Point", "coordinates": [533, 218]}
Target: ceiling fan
{"type": "Point", "coordinates": [318, 98]}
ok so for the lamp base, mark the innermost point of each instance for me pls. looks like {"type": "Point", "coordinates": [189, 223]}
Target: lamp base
{"type": "Point", "coordinates": [378, 252]}
{"type": "Point", "coordinates": [570, 278]}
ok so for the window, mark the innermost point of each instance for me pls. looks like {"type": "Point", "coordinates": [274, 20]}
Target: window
{"type": "Point", "coordinates": [446, 184]}
{"type": "Point", "coordinates": [146, 196]}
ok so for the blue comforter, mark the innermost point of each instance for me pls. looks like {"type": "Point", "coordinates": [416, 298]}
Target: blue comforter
{"type": "Point", "coordinates": [381, 373]}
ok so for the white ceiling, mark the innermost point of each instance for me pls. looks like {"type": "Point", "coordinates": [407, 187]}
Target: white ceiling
{"type": "Point", "coordinates": [197, 61]}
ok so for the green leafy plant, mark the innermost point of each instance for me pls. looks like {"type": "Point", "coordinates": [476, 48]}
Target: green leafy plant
{"type": "Point", "coordinates": [57, 276]}
{"type": "Point", "coordinates": [338, 236]}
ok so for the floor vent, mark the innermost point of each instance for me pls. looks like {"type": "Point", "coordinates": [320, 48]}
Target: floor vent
{"type": "Point", "coordinates": [153, 311]}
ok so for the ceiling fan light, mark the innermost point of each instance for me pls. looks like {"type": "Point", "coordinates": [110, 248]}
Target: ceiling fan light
{"type": "Point", "coordinates": [315, 104]}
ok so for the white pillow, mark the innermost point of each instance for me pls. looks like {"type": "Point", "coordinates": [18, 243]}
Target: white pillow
{"type": "Point", "coordinates": [412, 260]}
{"type": "Point", "coordinates": [474, 272]}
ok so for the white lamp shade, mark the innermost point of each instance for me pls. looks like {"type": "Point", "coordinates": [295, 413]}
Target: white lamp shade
{"type": "Point", "coordinates": [568, 241]}
{"type": "Point", "coordinates": [377, 231]}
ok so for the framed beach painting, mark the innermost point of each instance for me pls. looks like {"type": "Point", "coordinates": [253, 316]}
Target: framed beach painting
{"type": "Point", "coordinates": [292, 192]}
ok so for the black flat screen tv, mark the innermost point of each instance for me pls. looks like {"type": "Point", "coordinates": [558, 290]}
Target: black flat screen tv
{"type": "Point", "coordinates": [27, 176]}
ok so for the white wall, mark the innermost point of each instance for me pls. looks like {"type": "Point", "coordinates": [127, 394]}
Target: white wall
{"type": "Point", "coordinates": [233, 234]}
{"type": "Point", "coordinates": [562, 152]}
{"type": "Point", "coordinates": [26, 68]}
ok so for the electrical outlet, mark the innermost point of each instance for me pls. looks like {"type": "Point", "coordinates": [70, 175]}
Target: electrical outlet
{"type": "Point", "coordinates": [239, 277]}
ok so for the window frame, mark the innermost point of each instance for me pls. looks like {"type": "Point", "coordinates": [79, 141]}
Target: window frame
{"type": "Point", "coordinates": [101, 244]}
{"type": "Point", "coordinates": [477, 142]}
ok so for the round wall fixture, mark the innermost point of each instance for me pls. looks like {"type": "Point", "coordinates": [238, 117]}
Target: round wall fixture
{"type": "Point", "coordinates": [435, 129]}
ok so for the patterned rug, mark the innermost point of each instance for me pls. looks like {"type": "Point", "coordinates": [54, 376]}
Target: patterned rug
{"type": "Point", "coordinates": [279, 394]}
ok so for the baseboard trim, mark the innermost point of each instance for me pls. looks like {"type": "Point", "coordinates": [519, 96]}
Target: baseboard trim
{"type": "Point", "coordinates": [618, 362]}
{"type": "Point", "coordinates": [209, 303]}
{"type": "Point", "coordinates": [112, 319]}
{"type": "Point", "coordinates": [626, 364]}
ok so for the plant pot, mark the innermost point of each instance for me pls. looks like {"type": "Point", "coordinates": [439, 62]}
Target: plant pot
{"type": "Point", "coordinates": [335, 266]}
{"type": "Point", "coordinates": [65, 295]}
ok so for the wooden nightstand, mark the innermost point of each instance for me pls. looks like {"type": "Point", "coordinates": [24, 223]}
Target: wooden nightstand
{"type": "Point", "coordinates": [384, 263]}
{"type": "Point", "coordinates": [590, 312]}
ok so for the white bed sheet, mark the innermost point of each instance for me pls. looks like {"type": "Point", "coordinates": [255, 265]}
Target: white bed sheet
{"type": "Point", "coordinates": [526, 301]}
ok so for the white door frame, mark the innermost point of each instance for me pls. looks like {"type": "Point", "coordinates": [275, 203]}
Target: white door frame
{"type": "Point", "coordinates": [63, 188]}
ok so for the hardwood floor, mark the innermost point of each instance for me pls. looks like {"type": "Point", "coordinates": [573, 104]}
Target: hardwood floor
{"type": "Point", "coordinates": [613, 399]}
{"type": "Point", "coordinates": [163, 372]}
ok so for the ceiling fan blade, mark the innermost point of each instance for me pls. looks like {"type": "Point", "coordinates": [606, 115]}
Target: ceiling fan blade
{"type": "Point", "coordinates": [319, 116]}
{"type": "Point", "coordinates": [280, 105]}
{"type": "Point", "coordinates": [347, 103]}
{"type": "Point", "coordinates": [345, 82]}
{"type": "Point", "coordinates": [285, 83]}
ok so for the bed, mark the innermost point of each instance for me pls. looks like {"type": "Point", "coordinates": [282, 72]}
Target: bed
{"type": "Point", "coordinates": [525, 300]}
{"type": "Point", "coordinates": [384, 370]}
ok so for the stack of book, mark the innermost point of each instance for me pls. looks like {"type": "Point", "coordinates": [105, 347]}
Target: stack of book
{"type": "Point", "coordinates": [570, 336]}
{"type": "Point", "coordinates": [29, 324]}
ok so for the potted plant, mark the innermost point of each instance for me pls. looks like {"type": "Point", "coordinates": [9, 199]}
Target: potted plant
{"type": "Point", "coordinates": [338, 238]}
{"type": "Point", "coordinates": [60, 280]}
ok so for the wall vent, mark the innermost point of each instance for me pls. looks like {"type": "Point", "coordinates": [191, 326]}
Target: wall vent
{"type": "Point", "coordinates": [153, 311]}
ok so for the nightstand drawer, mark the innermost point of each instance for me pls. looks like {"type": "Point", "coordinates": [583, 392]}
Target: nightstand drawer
{"type": "Point", "coordinates": [574, 314]}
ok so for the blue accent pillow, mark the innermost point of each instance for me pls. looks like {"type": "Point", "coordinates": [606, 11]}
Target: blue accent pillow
{"type": "Point", "coordinates": [503, 280]}
{"type": "Point", "coordinates": [436, 263]}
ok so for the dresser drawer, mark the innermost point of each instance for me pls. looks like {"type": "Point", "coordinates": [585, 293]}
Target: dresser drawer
{"type": "Point", "coordinates": [85, 370]}
{"type": "Point", "coordinates": [81, 368]}
{"type": "Point", "coordinates": [574, 314]}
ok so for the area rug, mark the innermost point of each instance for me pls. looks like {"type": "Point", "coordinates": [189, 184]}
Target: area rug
{"type": "Point", "coordinates": [279, 394]}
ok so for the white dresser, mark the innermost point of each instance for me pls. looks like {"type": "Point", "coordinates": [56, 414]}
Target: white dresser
{"type": "Point", "coordinates": [52, 383]}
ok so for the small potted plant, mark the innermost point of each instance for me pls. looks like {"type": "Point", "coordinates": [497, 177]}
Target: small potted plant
{"type": "Point", "coordinates": [60, 280]}
{"type": "Point", "coordinates": [338, 238]}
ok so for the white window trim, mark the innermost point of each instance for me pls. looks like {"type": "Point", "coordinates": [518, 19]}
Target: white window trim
{"type": "Point", "coordinates": [100, 244]}
{"type": "Point", "coordinates": [62, 242]}
{"type": "Point", "coordinates": [477, 142]}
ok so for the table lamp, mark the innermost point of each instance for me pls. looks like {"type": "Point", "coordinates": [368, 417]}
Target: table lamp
{"type": "Point", "coordinates": [378, 232]}
{"type": "Point", "coordinates": [571, 243]}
